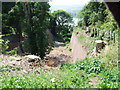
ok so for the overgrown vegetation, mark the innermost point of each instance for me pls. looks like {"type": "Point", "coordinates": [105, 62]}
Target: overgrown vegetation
{"type": "Point", "coordinates": [61, 25]}
{"type": "Point", "coordinates": [69, 76]}
{"type": "Point", "coordinates": [98, 22]}
{"type": "Point", "coordinates": [30, 22]}
{"type": "Point", "coordinates": [8, 68]}
{"type": "Point", "coordinates": [29, 29]}
{"type": "Point", "coordinates": [30, 19]}
{"type": "Point", "coordinates": [87, 42]}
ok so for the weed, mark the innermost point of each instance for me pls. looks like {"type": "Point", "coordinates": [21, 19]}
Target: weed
{"type": "Point", "coordinates": [5, 68]}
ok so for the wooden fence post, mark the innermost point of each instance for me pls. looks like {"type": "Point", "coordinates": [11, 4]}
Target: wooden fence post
{"type": "Point", "coordinates": [97, 32]}
{"type": "Point", "coordinates": [110, 35]}
{"type": "Point", "coordinates": [93, 32]}
{"type": "Point", "coordinates": [114, 37]}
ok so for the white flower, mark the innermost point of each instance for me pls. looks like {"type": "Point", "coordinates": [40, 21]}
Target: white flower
{"type": "Point", "coordinates": [52, 80]}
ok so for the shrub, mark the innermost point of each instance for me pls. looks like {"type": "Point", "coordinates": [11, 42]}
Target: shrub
{"type": "Point", "coordinates": [12, 52]}
{"type": "Point", "coordinates": [3, 45]}
{"type": "Point", "coordinates": [110, 56]}
{"type": "Point", "coordinates": [8, 68]}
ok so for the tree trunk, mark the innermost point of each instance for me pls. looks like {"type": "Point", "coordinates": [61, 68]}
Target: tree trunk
{"type": "Point", "coordinates": [97, 32]}
{"type": "Point", "coordinates": [110, 35]}
{"type": "Point", "coordinates": [19, 34]}
{"type": "Point", "coordinates": [30, 32]}
{"type": "Point", "coordinates": [114, 37]}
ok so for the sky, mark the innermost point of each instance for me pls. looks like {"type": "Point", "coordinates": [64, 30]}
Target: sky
{"type": "Point", "coordinates": [68, 2]}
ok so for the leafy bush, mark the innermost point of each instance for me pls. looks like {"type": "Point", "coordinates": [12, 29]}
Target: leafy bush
{"type": "Point", "coordinates": [12, 52]}
{"type": "Point", "coordinates": [45, 80]}
{"type": "Point", "coordinates": [3, 45]}
{"type": "Point", "coordinates": [67, 66]}
{"type": "Point", "coordinates": [109, 78]}
{"type": "Point", "coordinates": [8, 68]}
{"type": "Point", "coordinates": [90, 66]}
{"type": "Point", "coordinates": [87, 42]}
{"type": "Point", "coordinates": [69, 76]}
{"type": "Point", "coordinates": [110, 56]}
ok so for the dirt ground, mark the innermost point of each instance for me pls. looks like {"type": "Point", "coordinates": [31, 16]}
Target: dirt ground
{"type": "Point", "coordinates": [55, 58]}
{"type": "Point", "coordinates": [59, 55]}
{"type": "Point", "coordinates": [79, 52]}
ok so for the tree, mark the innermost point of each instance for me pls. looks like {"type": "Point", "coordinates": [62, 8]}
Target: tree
{"type": "Point", "coordinates": [37, 17]}
{"type": "Point", "coordinates": [96, 15]}
{"type": "Point", "coordinates": [15, 14]}
{"type": "Point", "coordinates": [31, 19]}
{"type": "Point", "coordinates": [60, 22]}
{"type": "Point", "coordinates": [6, 7]}
{"type": "Point", "coordinates": [92, 13]}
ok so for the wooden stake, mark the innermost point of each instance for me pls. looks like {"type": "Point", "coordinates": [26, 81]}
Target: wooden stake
{"type": "Point", "coordinates": [114, 37]}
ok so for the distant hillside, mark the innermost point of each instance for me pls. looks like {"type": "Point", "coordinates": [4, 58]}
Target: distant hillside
{"type": "Point", "coordinates": [72, 9]}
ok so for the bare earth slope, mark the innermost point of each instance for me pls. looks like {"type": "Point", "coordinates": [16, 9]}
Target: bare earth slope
{"type": "Point", "coordinates": [78, 51]}
{"type": "Point", "coordinates": [59, 55]}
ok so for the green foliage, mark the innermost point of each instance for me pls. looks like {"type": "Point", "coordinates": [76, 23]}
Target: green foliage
{"type": "Point", "coordinates": [3, 45]}
{"type": "Point", "coordinates": [12, 52]}
{"type": "Point", "coordinates": [37, 25]}
{"type": "Point", "coordinates": [109, 78]}
{"type": "Point", "coordinates": [110, 57]}
{"type": "Point", "coordinates": [87, 42]}
{"type": "Point", "coordinates": [69, 76]}
{"type": "Point", "coordinates": [60, 25]}
{"type": "Point", "coordinates": [97, 17]}
{"type": "Point", "coordinates": [8, 68]}
{"type": "Point", "coordinates": [32, 20]}
{"type": "Point", "coordinates": [5, 17]}
{"type": "Point", "coordinates": [109, 23]}
{"type": "Point", "coordinates": [92, 13]}
{"type": "Point", "coordinates": [46, 80]}
{"type": "Point", "coordinates": [66, 66]}
{"type": "Point", "coordinates": [93, 66]}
